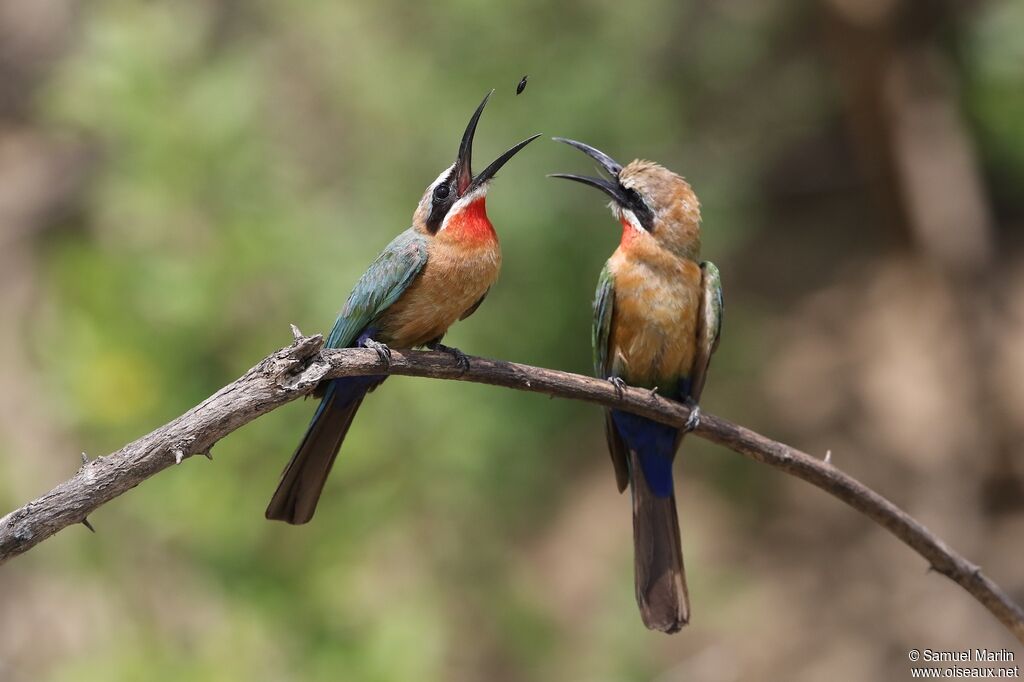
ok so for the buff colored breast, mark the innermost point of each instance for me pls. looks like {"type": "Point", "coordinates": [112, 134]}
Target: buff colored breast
{"type": "Point", "coordinates": [654, 324]}
{"type": "Point", "coordinates": [456, 275]}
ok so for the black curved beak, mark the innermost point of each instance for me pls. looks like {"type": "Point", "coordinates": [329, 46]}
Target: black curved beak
{"type": "Point", "coordinates": [464, 163]}
{"type": "Point", "coordinates": [610, 187]}
{"type": "Point", "coordinates": [608, 163]}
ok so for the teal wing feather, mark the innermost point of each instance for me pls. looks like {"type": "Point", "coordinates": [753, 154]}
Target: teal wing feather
{"type": "Point", "coordinates": [604, 310]}
{"type": "Point", "coordinates": [604, 301]}
{"type": "Point", "coordinates": [380, 286]}
{"type": "Point", "coordinates": [709, 327]}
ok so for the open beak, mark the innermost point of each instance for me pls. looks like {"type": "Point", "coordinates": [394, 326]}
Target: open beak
{"type": "Point", "coordinates": [466, 182]}
{"type": "Point", "coordinates": [610, 187]}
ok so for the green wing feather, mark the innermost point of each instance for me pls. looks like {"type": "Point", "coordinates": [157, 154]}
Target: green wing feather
{"type": "Point", "coordinates": [380, 286]}
{"type": "Point", "coordinates": [604, 300]}
{"type": "Point", "coordinates": [709, 327]}
{"type": "Point", "coordinates": [604, 303]}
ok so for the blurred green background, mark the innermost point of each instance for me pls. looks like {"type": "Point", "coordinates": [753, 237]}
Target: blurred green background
{"type": "Point", "coordinates": [180, 181]}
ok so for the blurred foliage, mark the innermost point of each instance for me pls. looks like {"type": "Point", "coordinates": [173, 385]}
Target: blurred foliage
{"type": "Point", "coordinates": [994, 62]}
{"type": "Point", "coordinates": [254, 158]}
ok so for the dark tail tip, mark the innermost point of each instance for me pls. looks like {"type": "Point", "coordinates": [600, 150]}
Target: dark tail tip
{"type": "Point", "coordinates": [303, 479]}
{"type": "Point", "coordinates": [279, 512]}
{"type": "Point", "coordinates": [661, 591]}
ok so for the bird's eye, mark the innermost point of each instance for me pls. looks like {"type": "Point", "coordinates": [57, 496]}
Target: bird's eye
{"type": "Point", "coordinates": [640, 209]}
{"type": "Point", "coordinates": [441, 191]}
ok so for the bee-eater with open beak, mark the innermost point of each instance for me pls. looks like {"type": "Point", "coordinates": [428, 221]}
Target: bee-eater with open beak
{"type": "Point", "coordinates": [436, 272]}
{"type": "Point", "coordinates": [657, 318]}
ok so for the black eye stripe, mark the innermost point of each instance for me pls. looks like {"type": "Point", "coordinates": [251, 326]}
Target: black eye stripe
{"type": "Point", "coordinates": [640, 209]}
{"type": "Point", "coordinates": [441, 200]}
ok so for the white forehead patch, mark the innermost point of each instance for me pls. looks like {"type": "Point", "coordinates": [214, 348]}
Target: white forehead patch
{"type": "Point", "coordinates": [442, 176]}
{"type": "Point", "coordinates": [428, 195]}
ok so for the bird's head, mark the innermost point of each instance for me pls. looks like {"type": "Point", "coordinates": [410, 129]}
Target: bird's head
{"type": "Point", "coordinates": [650, 201]}
{"type": "Point", "coordinates": [457, 196]}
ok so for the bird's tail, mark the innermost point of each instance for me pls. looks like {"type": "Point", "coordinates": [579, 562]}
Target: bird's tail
{"type": "Point", "coordinates": [658, 556]}
{"type": "Point", "coordinates": [303, 479]}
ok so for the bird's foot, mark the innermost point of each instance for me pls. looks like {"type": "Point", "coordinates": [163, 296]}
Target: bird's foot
{"type": "Point", "coordinates": [382, 350]}
{"type": "Point", "coordinates": [460, 358]}
{"type": "Point", "coordinates": [620, 386]}
{"type": "Point", "coordinates": [693, 421]}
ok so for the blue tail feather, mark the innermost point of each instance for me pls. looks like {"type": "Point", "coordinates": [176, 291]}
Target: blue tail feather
{"type": "Point", "coordinates": [345, 390]}
{"type": "Point", "coordinates": [655, 445]}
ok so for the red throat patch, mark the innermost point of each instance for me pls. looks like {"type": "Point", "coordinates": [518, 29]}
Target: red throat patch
{"type": "Point", "coordinates": [629, 233]}
{"type": "Point", "coordinates": [472, 225]}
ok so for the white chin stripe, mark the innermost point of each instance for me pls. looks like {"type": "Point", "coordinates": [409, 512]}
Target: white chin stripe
{"type": "Point", "coordinates": [458, 206]}
{"type": "Point", "coordinates": [628, 215]}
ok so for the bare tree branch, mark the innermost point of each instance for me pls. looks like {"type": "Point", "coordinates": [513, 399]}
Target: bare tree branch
{"type": "Point", "coordinates": [294, 371]}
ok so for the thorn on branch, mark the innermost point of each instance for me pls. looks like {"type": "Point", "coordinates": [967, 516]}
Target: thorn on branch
{"type": "Point", "coordinates": [295, 359]}
{"type": "Point", "coordinates": [290, 372]}
{"type": "Point", "coordinates": [301, 365]}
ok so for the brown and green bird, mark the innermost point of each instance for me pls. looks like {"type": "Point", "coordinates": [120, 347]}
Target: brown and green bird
{"type": "Point", "coordinates": [657, 318]}
{"type": "Point", "coordinates": [436, 272]}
